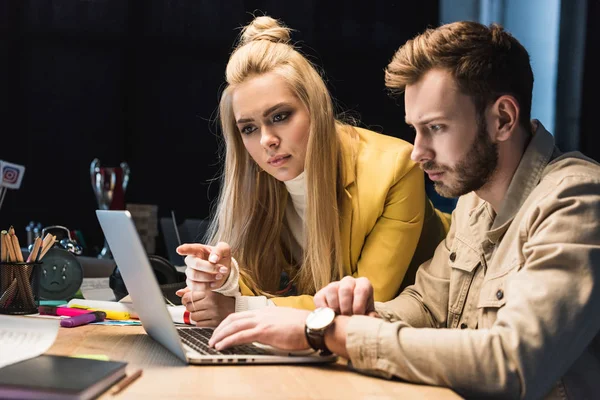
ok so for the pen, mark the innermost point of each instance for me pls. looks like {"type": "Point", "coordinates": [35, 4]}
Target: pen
{"type": "Point", "coordinates": [109, 313]}
{"type": "Point", "coordinates": [82, 319]}
{"type": "Point", "coordinates": [126, 382]}
{"type": "Point", "coordinates": [63, 311]}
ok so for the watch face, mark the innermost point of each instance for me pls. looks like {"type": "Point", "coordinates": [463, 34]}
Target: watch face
{"type": "Point", "coordinates": [320, 318]}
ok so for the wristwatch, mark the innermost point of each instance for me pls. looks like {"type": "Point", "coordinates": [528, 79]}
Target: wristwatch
{"type": "Point", "coordinates": [317, 323]}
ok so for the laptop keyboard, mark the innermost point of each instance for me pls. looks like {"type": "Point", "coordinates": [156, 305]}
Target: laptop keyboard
{"type": "Point", "coordinates": [197, 339]}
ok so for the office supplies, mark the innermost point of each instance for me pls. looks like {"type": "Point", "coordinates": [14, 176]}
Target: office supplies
{"type": "Point", "coordinates": [104, 305]}
{"type": "Point", "coordinates": [97, 289]}
{"type": "Point", "coordinates": [83, 319]}
{"type": "Point", "coordinates": [180, 315]}
{"type": "Point", "coordinates": [62, 311]}
{"type": "Point", "coordinates": [61, 275]}
{"type": "Point", "coordinates": [22, 338]}
{"type": "Point", "coordinates": [109, 313]}
{"type": "Point", "coordinates": [126, 382]}
{"type": "Point", "coordinates": [57, 377]}
{"type": "Point", "coordinates": [189, 344]}
{"type": "Point", "coordinates": [19, 281]}
{"type": "Point", "coordinates": [100, 357]}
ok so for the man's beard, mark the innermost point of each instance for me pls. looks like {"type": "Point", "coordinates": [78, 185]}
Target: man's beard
{"type": "Point", "coordinates": [474, 171]}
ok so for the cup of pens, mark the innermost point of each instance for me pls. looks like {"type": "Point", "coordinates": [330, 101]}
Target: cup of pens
{"type": "Point", "coordinates": [20, 278]}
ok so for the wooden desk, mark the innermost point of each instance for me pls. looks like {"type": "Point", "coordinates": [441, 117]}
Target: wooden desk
{"type": "Point", "coordinates": [165, 376]}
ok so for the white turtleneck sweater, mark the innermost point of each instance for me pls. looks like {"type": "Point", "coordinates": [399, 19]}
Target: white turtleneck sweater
{"type": "Point", "coordinates": [294, 214]}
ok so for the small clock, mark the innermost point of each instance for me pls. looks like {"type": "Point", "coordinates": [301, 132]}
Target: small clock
{"type": "Point", "coordinates": [61, 275]}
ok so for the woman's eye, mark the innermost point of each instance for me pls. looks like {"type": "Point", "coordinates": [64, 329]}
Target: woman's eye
{"type": "Point", "coordinates": [435, 128]}
{"type": "Point", "coordinates": [280, 117]}
{"type": "Point", "coordinates": [247, 130]}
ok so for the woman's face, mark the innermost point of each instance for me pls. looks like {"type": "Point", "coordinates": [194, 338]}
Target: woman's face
{"type": "Point", "coordinates": [273, 123]}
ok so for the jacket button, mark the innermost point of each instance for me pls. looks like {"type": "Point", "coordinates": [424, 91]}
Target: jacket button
{"type": "Point", "coordinates": [499, 294]}
{"type": "Point", "coordinates": [452, 256]}
{"type": "Point", "coordinates": [463, 326]}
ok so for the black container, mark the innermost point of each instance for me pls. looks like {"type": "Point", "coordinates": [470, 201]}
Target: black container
{"type": "Point", "coordinates": [19, 287]}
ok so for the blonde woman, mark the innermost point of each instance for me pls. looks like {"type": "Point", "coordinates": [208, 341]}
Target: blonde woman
{"type": "Point", "coordinates": [305, 199]}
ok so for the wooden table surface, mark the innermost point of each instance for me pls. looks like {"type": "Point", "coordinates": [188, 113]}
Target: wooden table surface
{"type": "Point", "coordinates": [165, 376]}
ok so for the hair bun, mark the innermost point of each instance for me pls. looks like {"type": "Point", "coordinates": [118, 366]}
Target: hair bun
{"type": "Point", "coordinates": [265, 28]}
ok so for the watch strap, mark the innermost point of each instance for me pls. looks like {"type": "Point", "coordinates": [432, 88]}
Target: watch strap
{"type": "Point", "coordinates": [316, 340]}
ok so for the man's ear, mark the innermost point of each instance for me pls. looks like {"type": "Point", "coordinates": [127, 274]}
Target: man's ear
{"type": "Point", "coordinates": [505, 114]}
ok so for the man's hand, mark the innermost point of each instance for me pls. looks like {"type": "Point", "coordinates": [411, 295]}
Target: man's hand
{"type": "Point", "coordinates": [206, 307]}
{"type": "Point", "coordinates": [280, 327]}
{"type": "Point", "coordinates": [350, 296]}
{"type": "Point", "coordinates": [206, 265]}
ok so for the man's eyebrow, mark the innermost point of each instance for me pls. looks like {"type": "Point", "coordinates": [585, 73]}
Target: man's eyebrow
{"type": "Point", "coordinates": [426, 120]}
{"type": "Point", "coordinates": [267, 112]}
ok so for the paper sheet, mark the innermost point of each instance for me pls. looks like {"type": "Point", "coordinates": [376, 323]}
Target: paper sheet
{"type": "Point", "coordinates": [97, 289]}
{"type": "Point", "coordinates": [23, 338]}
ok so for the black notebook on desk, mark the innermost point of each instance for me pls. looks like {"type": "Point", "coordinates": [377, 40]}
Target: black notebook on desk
{"type": "Point", "coordinates": [57, 377]}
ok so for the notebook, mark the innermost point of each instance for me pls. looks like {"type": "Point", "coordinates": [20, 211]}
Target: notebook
{"type": "Point", "coordinates": [58, 377]}
{"type": "Point", "coordinates": [190, 344]}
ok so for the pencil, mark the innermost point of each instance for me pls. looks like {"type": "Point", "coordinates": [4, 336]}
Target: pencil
{"type": "Point", "coordinates": [47, 244]}
{"type": "Point", "coordinates": [17, 248]}
{"type": "Point", "coordinates": [36, 249]}
{"type": "Point", "coordinates": [3, 249]}
{"type": "Point", "coordinates": [4, 273]}
{"type": "Point", "coordinates": [8, 294]}
{"type": "Point", "coordinates": [126, 382]}
{"type": "Point", "coordinates": [12, 256]}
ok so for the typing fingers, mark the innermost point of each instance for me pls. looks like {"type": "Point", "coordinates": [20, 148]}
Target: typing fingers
{"type": "Point", "coordinates": [244, 336]}
{"type": "Point", "coordinates": [237, 332]}
{"type": "Point", "coordinates": [225, 325]}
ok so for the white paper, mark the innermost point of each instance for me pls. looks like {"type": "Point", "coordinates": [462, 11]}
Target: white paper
{"type": "Point", "coordinates": [97, 289]}
{"type": "Point", "coordinates": [23, 338]}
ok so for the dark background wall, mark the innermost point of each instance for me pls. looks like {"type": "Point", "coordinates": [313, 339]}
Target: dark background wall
{"type": "Point", "coordinates": [590, 133]}
{"type": "Point", "coordinates": [138, 81]}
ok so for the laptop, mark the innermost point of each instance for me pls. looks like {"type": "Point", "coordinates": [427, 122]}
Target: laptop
{"type": "Point", "coordinates": [190, 344]}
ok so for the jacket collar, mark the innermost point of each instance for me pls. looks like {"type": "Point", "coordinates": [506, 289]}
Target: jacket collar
{"type": "Point", "coordinates": [349, 148]}
{"type": "Point", "coordinates": [527, 176]}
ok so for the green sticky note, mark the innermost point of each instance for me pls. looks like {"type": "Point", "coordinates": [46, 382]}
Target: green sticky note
{"type": "Point", "coordinates": [54, 303]}
{"type": "Point", "coordinates": [100, 357]}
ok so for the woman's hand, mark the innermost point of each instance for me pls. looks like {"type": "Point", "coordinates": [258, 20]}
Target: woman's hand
{"type": "Point", "coordinates": [206, 307]}
{"type": "Point", "coordinates": [208, 267]}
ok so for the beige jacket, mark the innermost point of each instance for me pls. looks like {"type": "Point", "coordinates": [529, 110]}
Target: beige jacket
{"type": "Point", "coordinates": [523, 287]}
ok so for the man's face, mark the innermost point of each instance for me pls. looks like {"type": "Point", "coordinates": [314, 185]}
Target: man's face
{"type": "Point", "coordinates": [452, 143]}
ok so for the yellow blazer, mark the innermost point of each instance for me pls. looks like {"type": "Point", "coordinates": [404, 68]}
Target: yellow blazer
{"type": "Point", "coordinates": [382, 216]}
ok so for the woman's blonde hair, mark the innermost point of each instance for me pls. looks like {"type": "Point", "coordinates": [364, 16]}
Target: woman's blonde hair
{"type": "Point", "coordinates": [250, 212]}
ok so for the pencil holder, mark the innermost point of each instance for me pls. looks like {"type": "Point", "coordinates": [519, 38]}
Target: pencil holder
{"type": "Point", "coordinates": [19, 287]}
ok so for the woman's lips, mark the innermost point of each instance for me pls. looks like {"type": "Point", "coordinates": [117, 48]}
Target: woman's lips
{"type": "Point", "coordinates": [279, 161]}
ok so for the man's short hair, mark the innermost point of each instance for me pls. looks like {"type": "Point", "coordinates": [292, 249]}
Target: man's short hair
{"type": "Point", "coordinates": [486, 62]}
